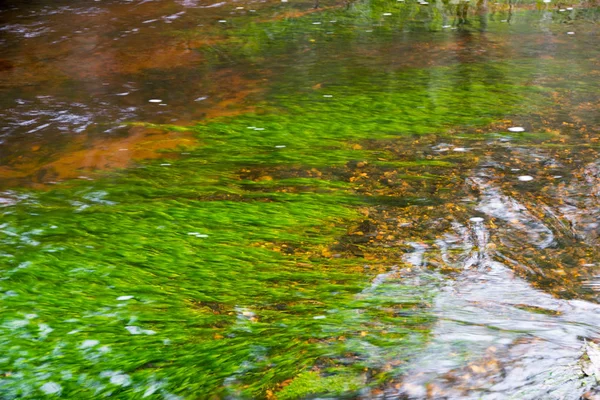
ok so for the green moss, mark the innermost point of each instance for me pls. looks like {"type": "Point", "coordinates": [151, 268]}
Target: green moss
{"type": "Point", "coordinates": [311, 383]}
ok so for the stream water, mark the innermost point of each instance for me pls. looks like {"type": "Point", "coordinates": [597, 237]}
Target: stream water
{"type": "Point", "coordinates": [289, 199]}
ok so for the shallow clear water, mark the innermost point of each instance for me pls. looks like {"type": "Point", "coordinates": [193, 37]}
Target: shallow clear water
{"type": "Point", "coordinates": [387, 199]}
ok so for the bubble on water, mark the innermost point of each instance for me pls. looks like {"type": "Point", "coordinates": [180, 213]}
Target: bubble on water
{"type": "Point", "coordinates": [89, 343]}
{"type": "Point", "coordinates": [525, 178]}
{"type": "Point", "coordinates": [476, 219]}
{"type": "Point", "coordinates": [120, 380]}
{"type": "Point", "coordinates": [516, 129]}
{"type": "Point", "coordinates": [124, 298]}
{"type": "Point", "coordinates": [51, 388]}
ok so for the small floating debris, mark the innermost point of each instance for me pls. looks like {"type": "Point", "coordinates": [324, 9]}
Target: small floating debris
{"type": "Point", "coordinates": [525, 178]}
{"type": "Point", "coordinates": [316, 23]}
{"type": "Point", "coordinates": [570, 33]}
{"type": "Point", "coordinates": [155, 101]}
{"type": "Point", "coordinates": [201, 98]}
{"type": "Point", "coordinates": [222, 21]}
{"type": "Point", "coordinates": [460, 149]}
{"type": "Point", "coordinates": [280, 146]}
{"type": "Point", "coordinates": [124, 298]}
{"type": "Point", "coordinates": [165, 164]}
{"type": "Point", "coordinates": [319, 317]}
{"type": "Point", "coordinates": [327, 95]}
{"type": "Point", "coordinates": [557, 176]}
{"type": "Point", "coordinates": [476, 219]}
{"type": "Point", "coordinates": [387, 14]}
{"type": "Point", "coordinates": [122, 94]}
{"type": "Point", "coordinates": [516, 129]}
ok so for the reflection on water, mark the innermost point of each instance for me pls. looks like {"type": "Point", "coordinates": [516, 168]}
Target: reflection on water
{"type": "Point", "coordinates": [278, 125]}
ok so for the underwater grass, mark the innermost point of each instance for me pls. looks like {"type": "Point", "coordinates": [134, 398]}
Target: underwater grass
{"type": "Point", "coordinates": [190, 277]}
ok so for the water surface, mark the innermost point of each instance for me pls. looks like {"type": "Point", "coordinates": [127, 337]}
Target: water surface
{"type": "Point", "coordinates": [385, 199]}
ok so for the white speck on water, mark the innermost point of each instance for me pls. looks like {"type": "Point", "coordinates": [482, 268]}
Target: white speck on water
{"type": "Point", "coordinates": [562, 10]}
{"type": "Point", "coordinates": [74, 331]}
{"type": "Point", "coordinates": [165, 164]}
{"type": "Point", "coordinates": [122, 94]}
{"type": "Point", "coordinates": [476, 219]}
{"type": "Point", "coordinates": [525, 178]}
{"type": "Point", "coordinates": [134, 330]}
{"type": "Point", "coordinates": [51, 388]}
{"type": "Point", "coordinates": [569, 8]}
{"type": "Point", "coordinates": [259, 129]}
{"type": "Point", "coordinates": [252, 10]}
{"type": "Point", "coordinates": [557, 176]}
{"type": "Point", "coordinates": [446, 26]}
{"type": "Point", "coordinates": [149, 21]}
{"type": "Point", "coordinates": [316, 23]}
{"type": "Point", "coordinates": [280, 146]}
{"type": "Point", "coordinates": [155, 101]}
{"type": "Point", "coordinates": [547, 1]}
{"type": "Point", "coordinates": [201, 98]}
{"type": "Point", "coordinates": [222, 21]}
{"type": "Point", "coordinates": [516, 129]}
{"type": "Point", "coordinates": [570, 33]}
{"type": "Point", "coordinates": [198, 234]}
{"type": "Point", "coordinates": [45, 330]}
{"type": "Point", "coordinates": [319, 317]}
{"type": "Point", "coordinates": [284, 1]}
{"type": "Point", "coordinates": [120, 380]}
{"type": "Point", "coordinates": [31, 316]}
{"type": "Point", "coordinates": [123, 298]}
{"type": "Point", "coordinates": [387, 14]}
{"type": "Point", "coordinates": [16, 324]}
{"type": "Point", "coordinates": [459, 149]}
{"type": "Point", "coordinates": [239, 8]}
{"type": "Point", "coordinates": [327, 95]}
{"type": "Point", "coordinates": [89, 343]}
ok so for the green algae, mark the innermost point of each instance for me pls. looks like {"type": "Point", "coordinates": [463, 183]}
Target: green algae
{"type": "Point", "coordinates": [185, 277]}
